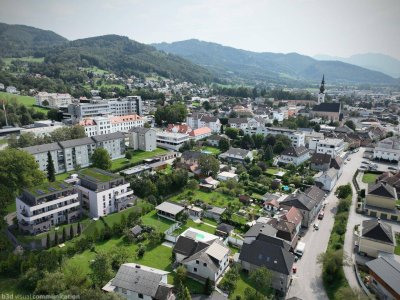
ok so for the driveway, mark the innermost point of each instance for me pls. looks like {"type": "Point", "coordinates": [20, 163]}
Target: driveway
{"type": "Point", "coordinates": [307, 282]}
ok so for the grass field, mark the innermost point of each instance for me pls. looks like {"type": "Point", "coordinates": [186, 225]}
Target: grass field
{"type": "Point", "coordinates": [212, 198]}
{"type": "Point", "coordinates": [11, 207]}
{"type": "Point", "coordinates": [191, 223]}
{"type": "Point", "coordinates": [273, 171]}
{"type": "Point", "coordinates": [397, 249]}
{"type": "Point", "coordinates": [369, 177]}
{"type": "Point", "coordinates": [213, 150]}
{"type": "Point", "coordinates": [152, 219]}
{"type": "Point", "coordinates": [138, 156]}
{"type": "Point", "coordinates": [25, 100]}
{"type": "Point", "coordinates": [241, 285]}
{"type": "Point", "coordinates": [95, 70]}
{"type": "Point", "coordinates": [8, 60]}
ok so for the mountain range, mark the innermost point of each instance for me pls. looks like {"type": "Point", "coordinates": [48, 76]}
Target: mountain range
{"type": "Point", "coordinates": [373, 61]}
{"type": "Point", "coordinates": [191, 60]}
{"type": "Point", "coordinates": [241, 64]}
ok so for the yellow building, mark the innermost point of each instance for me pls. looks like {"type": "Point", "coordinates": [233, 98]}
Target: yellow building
{"type": "Point", "coordinates": [376, 236]}
{"type": "Point", "coordinates": [380, 202]}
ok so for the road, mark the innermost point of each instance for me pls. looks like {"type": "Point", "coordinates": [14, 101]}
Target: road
{"type": "Point", "coordinates": [307, 282]}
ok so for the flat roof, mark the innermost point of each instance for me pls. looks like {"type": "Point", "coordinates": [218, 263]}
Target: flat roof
{"type": "Point", "coordinates": [170, 208]}
{"type": "Point", "coordinates": [98, 175]}
{"type": "Point", "coordinates": [48, 188]}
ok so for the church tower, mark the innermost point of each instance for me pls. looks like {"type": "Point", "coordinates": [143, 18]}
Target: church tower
{"type": "Point", "coordinates": [321, 94]}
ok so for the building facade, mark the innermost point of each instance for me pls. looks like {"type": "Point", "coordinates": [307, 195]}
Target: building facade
{"type": "Point", "coordinates": [141, 138]}
{"type": "Point", "coordinates": [333, 147]}
{"type": "Point", "coordinates": [388, 149]}
{"type": "Point", "coordinates": [53, 100]}
{"type": "Point", "coordinates": [297, 137]}
{"type": "Point", "coordinates": [171, 140]}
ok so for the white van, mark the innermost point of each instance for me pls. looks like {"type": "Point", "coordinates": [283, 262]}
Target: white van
{"type": "Point", "coordinates": [316, 225]}
{"type": "Point", "coordinates": [299, 251]}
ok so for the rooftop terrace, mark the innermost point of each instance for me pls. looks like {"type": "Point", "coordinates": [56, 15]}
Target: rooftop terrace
{"type": "Point", "coordinates": [98, 175]}
{"type": "Point", "coordinates": [48, 188]}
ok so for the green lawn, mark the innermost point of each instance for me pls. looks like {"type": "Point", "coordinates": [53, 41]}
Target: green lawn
{"type": "Point", "coordinates": [241, 285]}
{"type": "Point", "coordinates": [11, 207]}
{"type": "Point", "coordinates": [212, 198]}
{"type": "Point", "coordinates": [3, 141]}
{"type": "Point", "coordinates": [63, 176]}
{"type": "Point", "coordinates": [397, 249]}
{"type": "Point", "coordinates": [8, 60]}
{"type": "Point", "coordinates": [369, 177]}
{"type": "Point", "coordinates": [273, 171]}
{"type": "Point", "coordinates": [95, 70]}
{"type": "Point", "coordinates": [152, 219]}
{"type": "Point", "coordinates": [25, 100]}
{"type": "Point", "coordinates": [213, 150]}
{"type": "Point", "coordinates": [138, 156]}
{"type": "Point", "coordinates": [191, 223]}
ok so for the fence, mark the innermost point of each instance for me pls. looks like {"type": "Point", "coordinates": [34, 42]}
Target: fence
{"type": "Point", "coordinates": [168, 233]}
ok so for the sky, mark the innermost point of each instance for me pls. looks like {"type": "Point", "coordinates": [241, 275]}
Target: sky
{"type": "Point", "coordinates": [310, 27]}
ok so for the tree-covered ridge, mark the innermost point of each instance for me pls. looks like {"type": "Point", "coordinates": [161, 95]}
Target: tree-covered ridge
{"type": "Point", "coordinates": [21, 40]}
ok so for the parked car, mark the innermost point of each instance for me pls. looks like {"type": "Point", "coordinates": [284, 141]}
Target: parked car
{"type": "Point", "coordinates": [321, 215]}
{"type": "Point", "coordinates": [349, 159]}
{"type": "Point", "coordinates": [316, 225]}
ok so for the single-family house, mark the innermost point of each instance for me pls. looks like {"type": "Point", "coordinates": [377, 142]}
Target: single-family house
{"type": "Point", "coordinates": [214, 212]}
{"type": "Point", "coordinates": [223, 176]}
{"type": "Point", "coordinates": [169, 210]}
{"type": "Point", "coordinates": [380, 201]}
{"type": "Point", "coordinates": [376, 236]}
{"type": "Point", "coordinates": [294, 155]}
{"type": "Point", "coordinates": [237, 155]}
{"type": "Point", "coordinates": [327, 180]}
{"type": "Point", "coordinates": [224, 230]}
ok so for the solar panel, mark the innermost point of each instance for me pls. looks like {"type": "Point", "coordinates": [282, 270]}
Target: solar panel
{"type": "Point", "coordinates": [40, 192]}
{"type": "Point", "coordinates": [63, 186]}
{"type": "Point", "coordinates": [52, 189]}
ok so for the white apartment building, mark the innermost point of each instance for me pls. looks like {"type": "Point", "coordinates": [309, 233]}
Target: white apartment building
{"type": "Point", "coordinates": [117, 107]}
{"type": "Point", "coordinates": [333, 147]}
{"type": "Point", "coordinates": [42, 207]}
{"type": "Point", "coordinates": [199, 120]}
{"type": "Point", "coordinates": [171, 140]}
{"type": "Point", "coordinates": [42, 128]}
{"type": "Point", "coordinates": [110, 124]}
{"type": "Point", "coordinates": [102, 193]}
{"type": "Point", "coordinates": [388, 149]}
{"type": "Point", "coordinates": [141, 138]}
{"type": "Point", "coordinates": [297, 137]}
{"type": "Point", "coordinates": [53, 99]}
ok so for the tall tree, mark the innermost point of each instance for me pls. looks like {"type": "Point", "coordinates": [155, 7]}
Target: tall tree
{"type": "Point", "coordinates": [208, 164]}
{"type": "Point", "coordinates": [262, 279]}
{"type": "Point", "coordinates": [223, 144]}
{"type": "Point", "coordinates": [51, 173]}
{"type": "Point", "coordinates": [101, 159]}
{"type": "Point", "coordinates": [101, 269]}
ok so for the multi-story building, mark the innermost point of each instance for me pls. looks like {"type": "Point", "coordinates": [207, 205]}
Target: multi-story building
{"type": "Point", "coordinates": [68, 155]}
{"type": "Point", "coordinates": [333, 147]}
{"type": "Point", "coordinates": [118, 107]}
{"type": "Point", "coordinates": [141, 138]}
{"type": "Point", "coordinates": [199, 120]}
{"type": "Point", "coordinates": [171, 140]}
{"type": "Point", "coordinates": [297, 137]}
{"type": "Point", "coordinates": [42, 207]}
{"type": "Point", "coordinates": [53, 99]}
{"type": "Point", "coordinates": [110, 124]}
{"type": "Point", "coordinates": [388, 149]}
{"type": "Point", "coordinates": [102, 193]}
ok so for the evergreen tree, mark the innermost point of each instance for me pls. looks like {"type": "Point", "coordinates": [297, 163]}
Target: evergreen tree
{"type": "Point", "coordinates": [48, 241]}
{"type": "Point", "coordinates": [56, 239]}
{"type": "Point", "coordinates": [71, 232]}
{"type": "Point", "coordinates": [51, 173]}
{"type": "Point", "coordinates": [64, 234]}
{"type": "Point", "coordinates": [268, 154]}
{"type": "Point", "coordinates": [101, 159]}
{"type": "Point", "coordinates": [79, 229]}
{"type": "Point", "coordinates": [208, 287]}
{"type": "Point", "coordinates": [186, 294]}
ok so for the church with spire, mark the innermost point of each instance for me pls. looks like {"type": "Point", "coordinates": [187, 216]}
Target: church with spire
{"type": "Point", "coordinates": [326, 111]}
{"type": "Point", "coordinates": [321, 94]}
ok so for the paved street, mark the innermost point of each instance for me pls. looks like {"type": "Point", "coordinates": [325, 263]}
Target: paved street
{"type": "Point", "coordinates": [307, 283]}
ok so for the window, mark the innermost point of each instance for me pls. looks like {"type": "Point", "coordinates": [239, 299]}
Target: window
{"type": "Point", "coordinates": [205, 264]}
{"type": "Point", "coordinates": [140, 296]}
{"type": "Point", "coordinates": [197, 262]}
{"type": "Point", "coordinates": [195, 270]}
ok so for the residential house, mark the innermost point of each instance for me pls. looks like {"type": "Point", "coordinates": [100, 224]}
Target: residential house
{"type": "Point", "coordinates": [135, 282]}
{"type": "Point", "coordinates": [224, 230]}
{"type": "Point", "coordinates": [42, 207]}
{"type": "Point", "coordinates": [200, 133]}
{"type": "Point", "coordinates": [294, 155]}
{"type": "Point", "coordinates": [198, 120]}
{"type": "Point", "coordinates": [333, 147]}
{"type": "Point", "coordinates": [171, 140]}
{"type": "Point", "coordinates": [191, 157]}
{"type": "Point", "coordinates": [223, 176]}
{"type": "Point", "coordinates": [214, 139]}
{"type": "Point", "coordinates": [102, 193]}
{"type": "Point", "coordinates": [202, 260]}
{"type": "Point", "coordinates": [262, 249]}
{"type": "Point", "coordinates": [209, 183]}
{"type": "Point", "coordinates": [214, 212]}
{"type": "Point", "coordinates": [327, 180]}
{"type": "Point", "coordinates": [391, 179]}
{"type": "Point", "coordinates": [380, 202]}
{"type": "Point", "coordinates": [385, 277]}
{"type": "Point", "coordinates": [11, 89]}
{"type": "Point", "coordinates": [169, 210]}
{"type": "Point", "coordinates": [238, 123]}
{"type": "Point", "coordinates": [297, 137]}
{"type": "Point", "coordinates": [141, 138]}
{"type": "Point", "coordinates": [376, 236]}
{"type": "Point", "coordinates": [237, 155]}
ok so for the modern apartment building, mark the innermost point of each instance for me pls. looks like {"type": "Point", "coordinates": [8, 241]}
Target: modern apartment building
{"type": "Point", "coordinates": [54, 100]}
{"type": "Point", "coordinates": [102, 193]}
{"type": "Point", "coordinates": [42, 207]}
{"type": "Point", "coordinates": [333, 147]}
{"type": "Point", "coordinates": [117, 107]}
{"type": "Point", "coordinates": [388, 149]}
{"type": "Point", "coordinates": [171, 140]}
{"type": "Point", "coordinates": [68, 155]}
{"type": "Point", "coordinates": [110, 124]}
{"type": "Point", "coordinates": [297, 137]}
{"type": "Point", "coordinates": [141, 138]}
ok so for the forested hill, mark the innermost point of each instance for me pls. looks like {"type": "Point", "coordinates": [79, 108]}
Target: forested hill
{"type": "Point", "coordinates": [113, 53]}
{"type": "Point", "coordinates": [240, 64]}
{"type": "Point", "coordinates": [21, 40]}
{"type": "Point", "coordinates": [121, 55]}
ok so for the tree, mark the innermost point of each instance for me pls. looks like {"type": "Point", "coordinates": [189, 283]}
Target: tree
{"type": "Point", "coordinates": [344, 191]}
{"type": "Point", "coordinates": [51, 284]}
{"type": "Point", "coordinates": [268, 154]}
{"type": "Point", "coordinates": [141, 249]}
{"type": "Point", "coordinates": [18, 170]}
{"type": "Point", "coordinates": [232, 133]}
{"type": "Point", "coordinates": [71, 232]}
{"type": "Point", "coordinates": [252, 294]}
{"type": "Point", "coordinates": [52, 114]}
{"type": "Point", "coordinates": [233, 114]}
{"type": "Point", "coordinates": [208, 164]}
{"type": "Point", "coordinates": [261, 279]}
{"type": "Point", "coordinates": [206, 105]}
{"type": "Point", "coordinates": [64, 234]}
{"type": "Point", "coordinates": [208, 287]}
{"type": "Point", "coordinates": [247, 142]}
{"type": "Point", "coordinates": [51, 176]}
{"type": "Point", "coordinates": [79, 228]}
{"type": "Point", "coordinates": [183, 293]}
{"type": "Point", "coordinates": [317, 127]}
{"type": "Point", "coordinates": [350, 124]}
{"type": "Point", "coordinates": [101, 159]}
{"type": "Point", "coordinates": [224, 145]}
{"type": "Point", "coordinates": [255, 171]}
{"type": "Point", "coordinates": [56, 238]}
{"type": "Point", "coordinates": [279, 147]}
{"type": "Point", "coordinates": [192, 184]}
{"type": "Point", "coordinates": [101, 269]}
{"type": "Point", "coordinates": [180, 276]}
{"type": "Point", "coordinates": [128, 155]}
{"type": "Point", "coordinates": [48, 241]}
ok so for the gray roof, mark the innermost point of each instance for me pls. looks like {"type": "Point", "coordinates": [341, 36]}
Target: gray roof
{"type": "Point", "coordinates": [76, 142]}
{"type": "Point", "coordinates": [138, 280]}
{"type": "Point", "coordinates": [315, 193]}
{"type": "Point", "coordinates": [237, 120]}
{"type": "Point", "coordinates": [42, 148]}
{"type": "Point", "coordinates": [236, 152]}
{"type": "Point", "coordinates": [383, 190]}
{"type": "Point", "coordinates": [225, 228]}
{"type": "Point", "coordinates": [139, 129]}
{"type": "Point", "coordinates": [295, 151]}
{"type": "Point", "coordinates": [331, 173]}
{"type": "Point", "coordinates": [260, 228]}
{"type": "Point", "coordinates": [170, 208]}
{"type": "Point", "coordinates": [192, 155]}
{"type": "Point", "coordinates": [108, 137]}
{"type": "Point", "coordinates": [388, 270]}
{"type": "Point", "coordinates": [377, 230]}
{"type": "Point", "coordinates": [320, 158]}
{"type": "Point", "coordinates": [136, 230]}
{"type": "Point", "coordinates": [216, 210]}
{"type": "Point", "coordinates": [300, 201]}
{"type": "Point", "coordinates": [269, 255]}
{"type": "Point", "coordinates": [188, 246]}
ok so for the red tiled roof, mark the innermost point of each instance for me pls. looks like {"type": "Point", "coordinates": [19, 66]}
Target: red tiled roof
{"type": "Point", "coordinates": [200, 131]}
{"type": "Point", "coordinates": [293, 215]}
